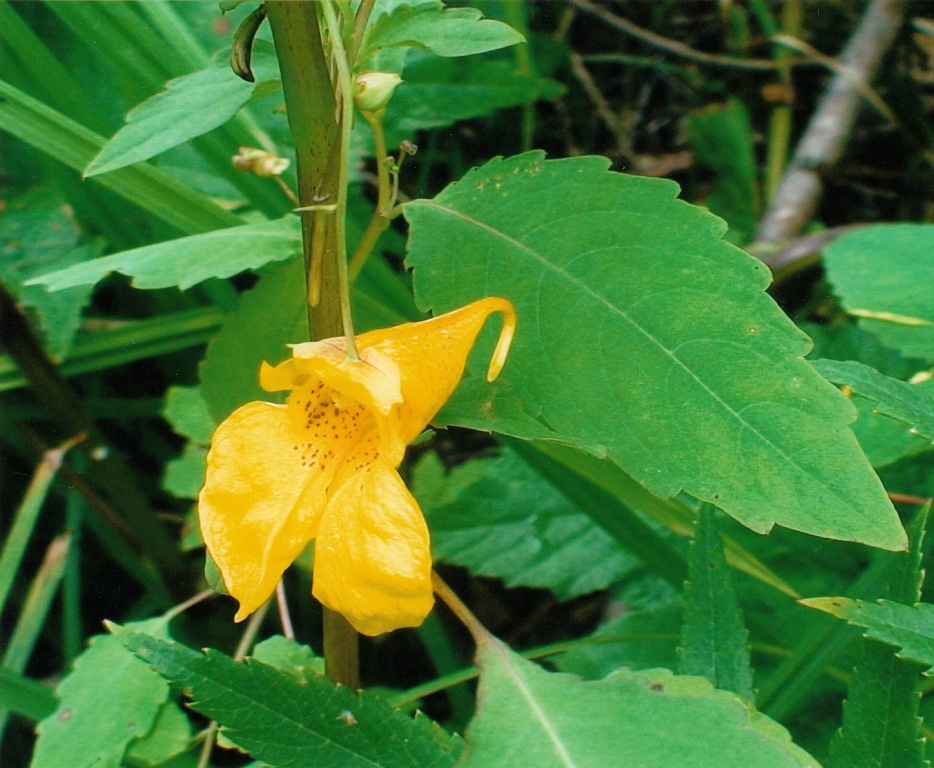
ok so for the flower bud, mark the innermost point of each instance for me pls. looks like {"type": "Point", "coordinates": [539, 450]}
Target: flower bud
{"type": "Point", "coordinates": [259, 162]}
{"type": "Point", "coordinates": [373, 90]}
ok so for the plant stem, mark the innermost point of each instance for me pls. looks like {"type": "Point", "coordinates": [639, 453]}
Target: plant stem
{"type": "Point", "coordinates": [479, 633]}
{"type": "Point", "coordinates": [310, 102]}
{"type": "Point", "coordinates": [379, 221]}
{"type": "Point", "coordinates": [346, 103]}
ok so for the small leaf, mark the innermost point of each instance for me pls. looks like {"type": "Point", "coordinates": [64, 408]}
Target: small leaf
{"type": "Point", "coordinates": [108, 700]}
{"type": "Point", "coordinates": [642, 330]}
{"type": "Point", "coordinates": [500, 518]}
{"type": "Point", "coordinates": [443, 31]}
{"type": "Point", "coordinates": [528, 717]}
{"type": "Point", "coordinates": [170, 737]}
{"type": "Point", "coordinates": [883, 275]}
{"type": "Point", "coordinates": [884, 731]}
{"type": "Point", "coordinates": [289, 656]}
{"type": "Point", "coordinates": [283, 721]}
{"type": "Point", "coordinates": [910, 403]}
{"type": "Point", "coordinates": [189, 107]}
{"type": "Point", "coordinates": [713, 635]}
{"type": "Point", "coordinates": [186, 410]}
{"type": "Point", "coordinates": [184, 475]}
{"type": "Point", "coordinates": [188, 261]}
{"type": "Point", "coordinates": [910, 628]}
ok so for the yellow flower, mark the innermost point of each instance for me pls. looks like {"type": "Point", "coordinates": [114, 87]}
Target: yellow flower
{"type": "Point", "coordinates": [323, 466]}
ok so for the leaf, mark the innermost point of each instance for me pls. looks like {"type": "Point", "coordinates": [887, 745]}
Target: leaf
{"type": "Point", "coordinates": [884, 731]}
{"type": "Point", "coordinates": [721, 137]}
{"type": "Point", "coordinates": [883, 275]}
{"type": "Point", "coordinates": [883, 439]}
{"type": "Point", "coordinates": [184, 475]}
{"type": "Point", "coordinates": [186, 410]}
{"type": "Point", "coordinates": [910, 628]}
{"type": "Point", "coordinates": [298, 660]}
{"type": "Point", "coordinates": [909, 403]}
{"type": "Point", "coordinates": [283, 721]}
{"type": "Point", "coordinates": [189, 106]}
{"type": "Point", "coordinates": [38, 233]}
{"type": "Point", "coordinates": [641, 330]}
{"type": "Point", "coordinates": [653, 719]}
{"type": "Point", "coordinates": [443, 31]}
{"type": "Point", "coordinates": [170, 737]}
{"type": "Point", "coordinates": [107, 701]}
{"type": "Point", "coordinates": [438, 92]}
{"type": "Point", "coordinates": [713, 635]}
{"type": "Point", "coordinates": [500, 518]}
{"type": "Point", "coordinates": [189, 260]}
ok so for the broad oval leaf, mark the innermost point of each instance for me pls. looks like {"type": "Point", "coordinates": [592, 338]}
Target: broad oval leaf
{"type": "Point", "coordinates": [190, 260]}
{"type": "Point", "coordinates": [528, 717]}
{"type": "Point", "coordinates": [640, 329]}
{"type": "Point", "coordinates": [884, 276]}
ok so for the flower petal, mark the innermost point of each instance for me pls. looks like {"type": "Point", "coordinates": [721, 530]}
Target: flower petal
{"type": "Point", "coordinates": [431, 356]}
{"type": "Point", "coordinates": [372, 555]}
{"type": "Point", "coordinates": [262, 499]}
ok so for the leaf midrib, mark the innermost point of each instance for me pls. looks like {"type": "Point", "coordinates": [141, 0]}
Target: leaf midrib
{"type": "Point", "coordinates": [616, 310]}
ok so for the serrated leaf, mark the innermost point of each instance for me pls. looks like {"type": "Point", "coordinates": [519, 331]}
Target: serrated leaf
{"type": "Point", "coordinates": [189, 107]}
{"type": "Point", "coordinates": [884, 731]}
{"type": "Point", "coordinates": [884, 440]}
{"type": "Point", "coordinates": [641, 329]}
{"type": "Point", "coordinates": [713, 635]}
{"type": "Point", "coordinates": [186, 410]}
{"type": "Point", "coordinates": [188, 261]}
{"type": "Point", "coordinates": [286, 722]}
{"type": "Point", "coordinates": [653, 719]}
{"type": "Point", "coordinates": [883, 275]}
{"type": "Point", "coordinates": [909, 403]}
{"type": "Point", "coordinates": [108, 700]}
{"type": "Point", "coordinates": [500, 518]}
{"type": "Point", "coordinates": [910, 628]}
{"type": "Point", "coordinates": [37, 234]}
{"type": "Point", "coordinates": [443, 31]}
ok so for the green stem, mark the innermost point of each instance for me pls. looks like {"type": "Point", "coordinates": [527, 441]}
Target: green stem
{"type": "Point", "coordinates": [379, 221]}
{"type": "Point", "coordinates": [310, 104]}
{"type": "Point", "coordinates": [346, 102]}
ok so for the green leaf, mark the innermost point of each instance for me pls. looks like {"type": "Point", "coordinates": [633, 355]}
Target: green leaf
{"type": "Point", "coordinates": [713, 635]}
{"type": "Point", "coordinates": [910, 403]}
{"type": "Point", "coordinates": [190, 260]}
{"type": "Point", "coordinates": [910, 628]}
{"type": "Point", "coordinates": [500, 518]}
{"type": "Point", "coordinates": [437, 92]}
{"type": "Point", "coordinates": [298, 660]}
{"type": "Point", "coordinates": [883, 275]}
{"type": "Point", "coordinates": [884, 439]}
{"type": "Point", "coordinates": [25, 696]}
{"type": "Point", "coordinates": [186, 410]}
{"type": "Point", "coordinates": [170, 737]}
{"type": "Point", "coordinates": [641, 330]}
{"type": "Point", "coordinates": [653, 719]}
{"type": "Point", "coordinates": [71, 143]}
{"type": "Point", "coordinates": [37, 233]}
{"type": "Point", "coordinates": [722, 139]}
{"type": "Point", "coordinates": [284, 721]}
{"type": "Point", "coordinates": [188, 107]}
{"type": "Point", "coordinates": [884, 731]}
{"type": "Point", "coordinates": [184, 475]}
{"type": "Point", "coordinates": [108, 700]}
{"type": "Point", "coordinates": [443, 31]}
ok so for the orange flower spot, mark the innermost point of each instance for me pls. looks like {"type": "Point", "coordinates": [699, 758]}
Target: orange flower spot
{"type": "Point", "coordinates": [323, 467]}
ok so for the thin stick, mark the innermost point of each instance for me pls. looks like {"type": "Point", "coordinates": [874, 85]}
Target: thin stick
{"type": "Point", "coordinates": [479, 633]}
{"type": "Point", "coordinates": [828, 131]}
{"type": "Point", "coordinates": [679, 49]}
{"type": "Point", "coordinates": [359, 27]}
{"type": "Point", "coordinates": [284, 616]}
